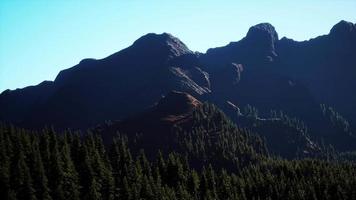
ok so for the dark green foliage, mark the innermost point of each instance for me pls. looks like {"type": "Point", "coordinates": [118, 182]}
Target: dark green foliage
{"type": "Point", "coordinates": [284, 135]}
{"type": "Point", "coordinates": [40, 180]}
{"type": "Point", "coordinates": [212, 138]}
{"type": "Point", "coordinates": [45, 165]}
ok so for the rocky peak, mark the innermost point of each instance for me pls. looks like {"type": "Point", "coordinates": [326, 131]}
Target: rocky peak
{"type": "Point", "coordinates": [163, 44]}
{"type": "Point", "coordinates": [263, 37]}
{"type": "Point", "coordinates": [263, 31]}
{"type": "Point", "coordinates": [343, 28]}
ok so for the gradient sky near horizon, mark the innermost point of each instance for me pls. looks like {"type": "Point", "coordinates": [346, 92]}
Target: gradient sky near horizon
{"type": "Point", "coordinates": [38, 38]}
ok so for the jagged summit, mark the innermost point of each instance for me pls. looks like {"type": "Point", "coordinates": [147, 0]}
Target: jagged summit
{"type": "Point", "coordinates": [343, 28]}
{"type": "Point", "coordinates": [177, 102]}
{"type": "Point", "coordinates": [255, 70]}
{"type": "Point", "coordinates": [258, 44]}
{"type": "Point", "coordinates": [162, 43]}
{"type": "Point", "coordinates": [263, 30]}
{"type": "Point", "coordinates": [263, 36]}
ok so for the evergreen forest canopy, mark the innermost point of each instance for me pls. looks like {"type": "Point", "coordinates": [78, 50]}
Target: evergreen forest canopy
{"type": "Point", "coordinates": [214, 160]}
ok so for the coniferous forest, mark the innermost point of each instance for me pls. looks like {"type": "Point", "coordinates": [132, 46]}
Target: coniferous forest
{"type": "Point", "coordinates": [233, 165]}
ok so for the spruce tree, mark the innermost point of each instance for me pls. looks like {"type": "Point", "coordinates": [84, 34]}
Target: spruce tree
{"type": "Point", "coordinates": [40, 180]}
{"type": "Point", "coordinates": [70, 180]}
{"type": "Point", "coordinates": [21, 178]}
{"type": "Point", "coordinates": [4, 167]}
{"type": "Point", "coordinates": [55, 174]}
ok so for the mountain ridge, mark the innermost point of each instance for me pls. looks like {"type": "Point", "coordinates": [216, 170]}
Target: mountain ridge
{"type": "Point", "coordinates": [260, 69]}
{"type": "Point", "coordinates": [339, 26]}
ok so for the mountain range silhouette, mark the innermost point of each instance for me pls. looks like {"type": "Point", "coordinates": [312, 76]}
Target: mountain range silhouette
{"type": "Point", "coordinates": [259, 70]}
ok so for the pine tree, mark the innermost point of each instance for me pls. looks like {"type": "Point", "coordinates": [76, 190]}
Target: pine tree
{"type": "Point", "coordinates": [70, 180]}
{"type": "Point", "coordinates": [115, 157]}
{"type": "Point", "coordinates": [4, 167]}
{"type": "Point", "coordinates": [193, 184]}
{"type": "Point", "coordinates": [93, 191]}
{"type": "Point", "coordinates": [40, 180]}
{"type": "Point", "coordinates": [126, 190]}
{"type": "Point", "coordinates": [55, 174]}
{"type": "Point", "coordinates": [21, 178]}
{"type": "Point", "coordinates": [146, 191]}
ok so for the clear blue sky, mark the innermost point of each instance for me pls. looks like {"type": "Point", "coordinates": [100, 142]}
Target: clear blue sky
{"type": "Point", "coordinates": [39, 38]}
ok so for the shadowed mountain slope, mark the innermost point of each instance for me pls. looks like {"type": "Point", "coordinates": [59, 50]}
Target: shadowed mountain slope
{"type": "Point", "coordinates": [112, 88]}
{"type": "Point", "coordinates": [181, 123]}
{"type": "Point", "coordinates": [259, 70]}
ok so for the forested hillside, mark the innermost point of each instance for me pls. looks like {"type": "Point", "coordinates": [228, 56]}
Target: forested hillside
{"type": "Point", "coordinates": [48, 165]}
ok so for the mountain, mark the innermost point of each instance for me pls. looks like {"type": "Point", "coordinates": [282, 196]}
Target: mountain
{"type": "Point", "coordinates": [326, 65]}
{"type": "Point", "coordinates": [285, 74]}
{"type": "Point", "coordinates": [261, 70]}
{"type": "Point", "coordinates": [112, 88]}
{"type": "Point", "coordinates": [157, 121]}
{"type": "Point", "coordinates": [260, 118]}
{"type": "Point", "coordinates": [246, 72]}
{"type": "Point", "coordinates": [290, 76]}
{"type": "Point", "coordinates": [162, 125]}
{"type": "Point", "coordinates": [181, 123]}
